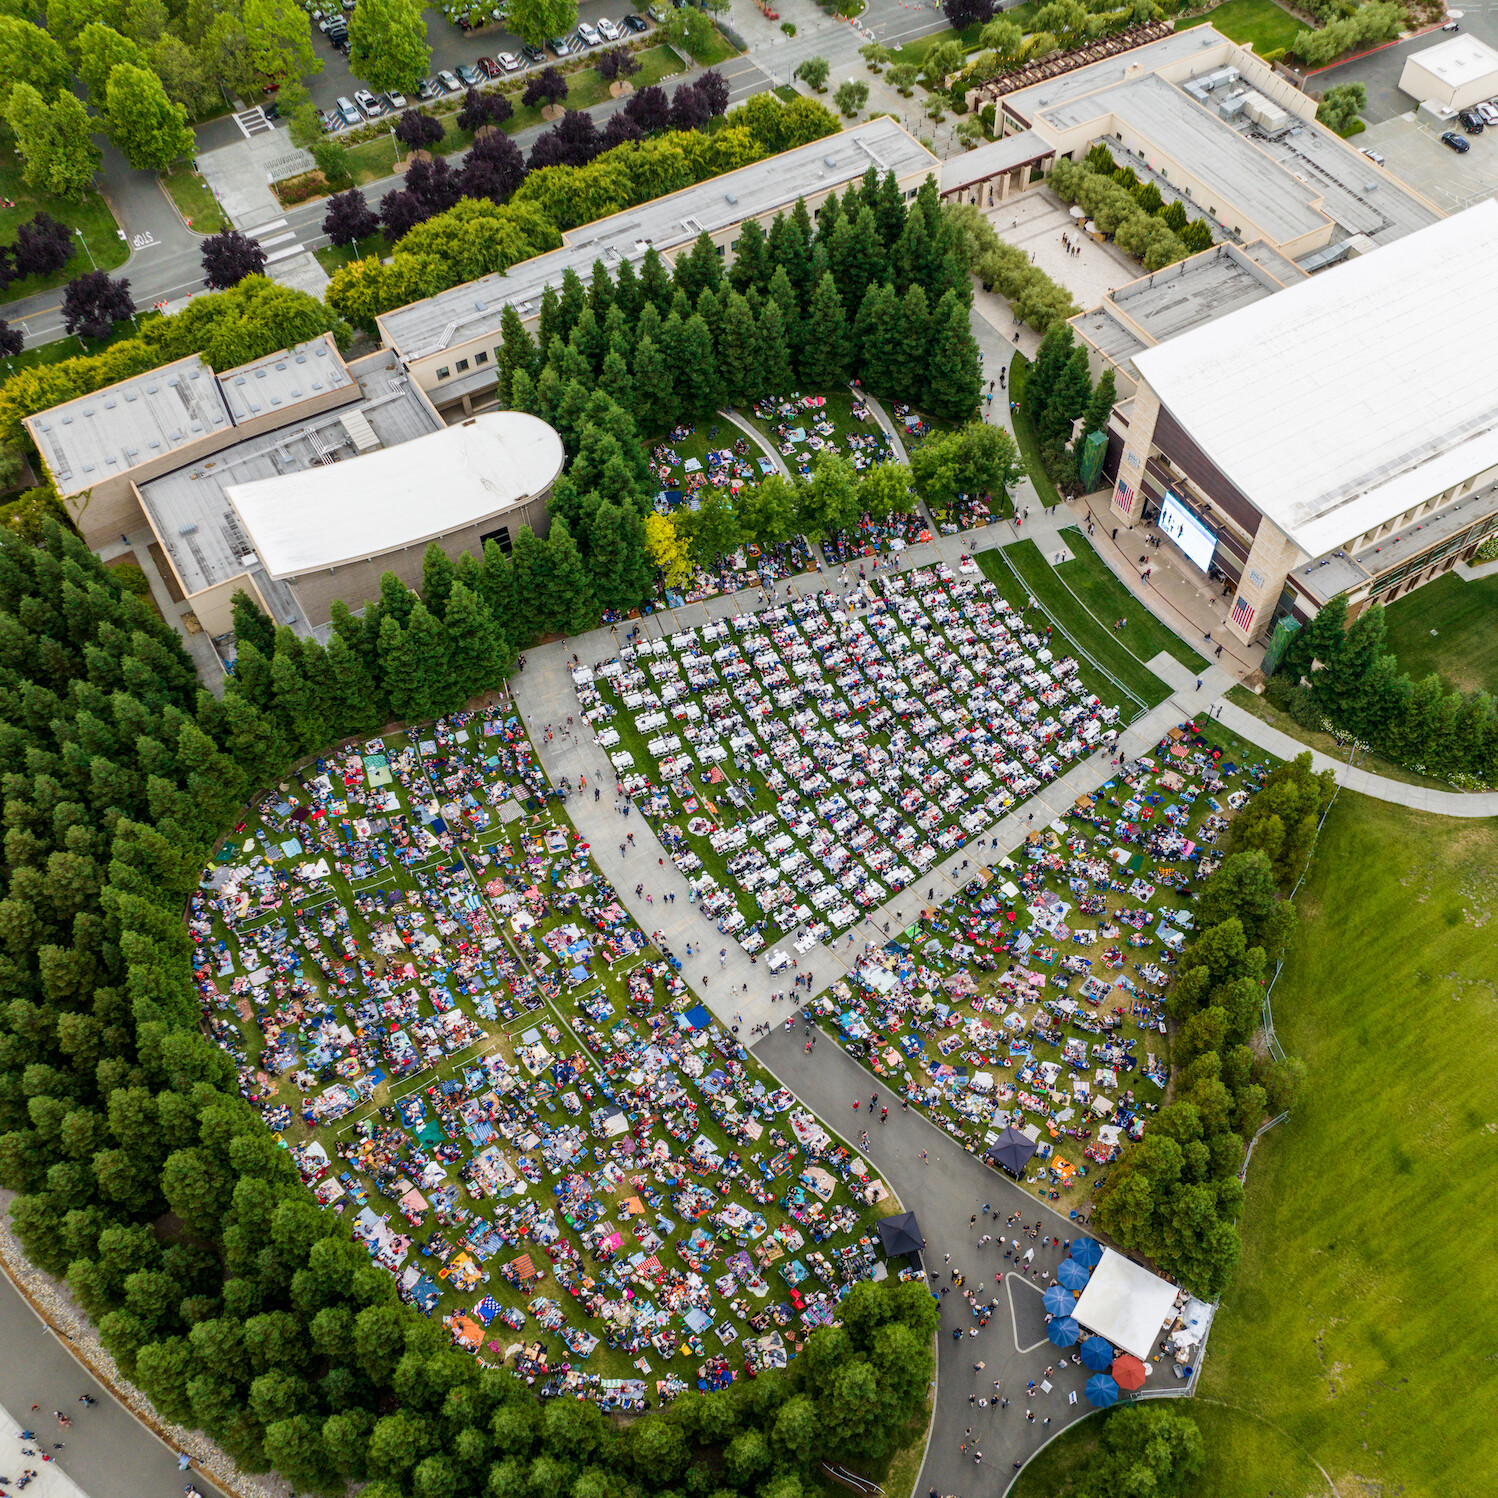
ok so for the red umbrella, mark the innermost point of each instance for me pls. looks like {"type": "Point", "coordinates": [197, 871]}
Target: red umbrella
{"type": "Point", "coordinates": [1128, 1371]}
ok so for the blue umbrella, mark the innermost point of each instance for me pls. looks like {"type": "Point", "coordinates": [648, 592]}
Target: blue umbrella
{"type": "Point", "coordinates": [1097, 1354]}
{"type": "Point", "coordinates": [1087, 1252]}
{"type": "Point", "coordinates": [1072, 1274]}
{"type": "Point", "coordinates": [1059, 1301]}
{"type": "Point", "coordinates": [1063, 1330]}
{"type": "Point", "coordinates": [1102, 1391]}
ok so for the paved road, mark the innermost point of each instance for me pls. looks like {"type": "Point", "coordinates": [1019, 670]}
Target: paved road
{"type": "Point", "coordinates": [944, 1191]}
{"type": "Point", "coordinates": [108, 1451]}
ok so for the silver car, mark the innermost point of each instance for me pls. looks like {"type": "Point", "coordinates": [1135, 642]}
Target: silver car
{"type": "Point", "coordinates": [607, 30]}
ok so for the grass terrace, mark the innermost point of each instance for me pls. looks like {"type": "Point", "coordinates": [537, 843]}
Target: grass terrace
{"type": "Point", "coordinates": [1259, 23]}
{"type": "Point", "coordinates": [1446, 627]}
{"type": "Point", "coordinates": [93, 215]}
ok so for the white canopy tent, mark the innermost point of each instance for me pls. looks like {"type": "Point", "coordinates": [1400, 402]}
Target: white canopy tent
{"type": "Point", "coordinates": [1126, 1304]}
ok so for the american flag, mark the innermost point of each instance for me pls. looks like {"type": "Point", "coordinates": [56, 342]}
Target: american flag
{"type": "Point", "coordinates": [1243, 614]}
{"type": "Point", "coordinates": [487, 1309]}
{"type": "Point", "coordinates": [1123, 496]}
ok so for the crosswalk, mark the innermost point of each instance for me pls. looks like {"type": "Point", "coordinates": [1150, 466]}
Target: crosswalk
{"type": "Point", "coordinates": [277, 239]}
{"type": "Point", "coordinates": [253, 121]}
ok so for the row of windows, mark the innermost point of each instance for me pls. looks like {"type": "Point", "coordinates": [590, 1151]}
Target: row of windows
{"type": "Point", "coordinates": [480, 358]}
{"type": "Point", "coordinates": [1460, 542]}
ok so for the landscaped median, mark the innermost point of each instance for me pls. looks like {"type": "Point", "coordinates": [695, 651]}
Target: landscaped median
{"type": "Point", "coordinates": [193, 198]}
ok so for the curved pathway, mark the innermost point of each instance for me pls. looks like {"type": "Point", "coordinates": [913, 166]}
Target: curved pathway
{"type": "Point", "coordinates": [755, 435]}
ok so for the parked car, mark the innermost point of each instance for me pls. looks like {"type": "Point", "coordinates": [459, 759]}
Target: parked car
{"type": "Point", "coordinates": [1452, 26]}
{"type": "Point", "coordinates": [370, 106]}
{"type": "Point", "coordinates": [657, 13]}
{"type": "Point", "coordinates": [449, 81]}
{"type": "Point", "coordinates": [588, 35]}
{"type": "Point", "coordinates": [561, 45]}
{"type": "Point", "coordinates": [347, 111]}
{"type": "Point", "coordinates": [330, 121]}
{"type": "Point", "coordinates": [635, 23]}
{"type": "Point", "coordinates": [509, 62]}
{"type": "Point", "coordinates": [607, 30]}
{"type": "Point", "coordinates": [428, 89]}
{"type": "Point", "coordinates": [1489, 113]}
{"type": "Point", "coordinates": [1372, 155]}
{"type": "Point", "coordinates": [396, 100]}
{"type": "Point", "coordinates": [532, 53]}
{"type": "Point", "coordinates": [469, 75]}
{"type": "Point", "coordinates": [1472, 122]}
{"type": "Point", "coordinates": [489, 67]}
{"type": "Point", "coordinates": [1458, 143]}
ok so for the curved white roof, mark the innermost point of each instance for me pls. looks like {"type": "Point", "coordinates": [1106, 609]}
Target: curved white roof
{"type": "Point", "coordinates": [403, 496]}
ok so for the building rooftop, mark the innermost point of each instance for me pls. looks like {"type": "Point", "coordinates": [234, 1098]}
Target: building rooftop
{"type": "Point", "coordinates": [1185, 131]}
{"type": "Point", "coordinates": [1001, 155]}
{"type": "Point", "coordinates": [115, 429]}
{"type": "Point", "coordinates": [1179, 47]}
{"type": "Point", "coordinates": [1113, 338]}
{"type": "Point", "coordinates": [189, 507]}
{"type": "Point", "coordinates": [1458, 61]}
{"type": "Point", "coordinates": [283, 379]}
{"type": "Point", "coordinates": [1194, 291]}
{"type": "Point", "coordinates": [1331, 405]}
{"type": "Point", "coordinates": [320, 515]}
{"type": "Point", "coordinates": [473, 310]}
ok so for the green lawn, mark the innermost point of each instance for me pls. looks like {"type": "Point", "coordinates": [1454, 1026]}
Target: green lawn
{"type": "Point", "coordinates": [1372, 1197]}
{"type": "Point", "coordinates": [1263, 23]}
{"type": "Point", "coordinates": [1096, 638]}
{"type": "Point", "coordinates": [92, 215]}
{"type": "Point", "coordinates": [1097, 586]}
{"type": "Point", "coordinates": [332, 256]}
{"type": "Point", "coordinates": [1447, 627]}
{"type": "Point", "coordinates": [194, 199]}
{"type": "Point", "coordinates": [1246, 1458]}
{"type": "Point", "coordinates": [1024, 434]}
{"type": "Point", "coordinates": [718, 49]}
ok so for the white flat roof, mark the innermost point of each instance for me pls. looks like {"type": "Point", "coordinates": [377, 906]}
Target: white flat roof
{"type": "Point", "coordinates": [400, 496]}
{"type": "Point", "coordinates": [1334, 405]}
{"type": "Point", "coordinates": [1458, 60]}
{"type": "Point", "coordinates": [1125, 1303]}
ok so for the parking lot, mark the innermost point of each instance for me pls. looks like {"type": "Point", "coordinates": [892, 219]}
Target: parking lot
{"type": "Point", "coordinates": [1413, 151]}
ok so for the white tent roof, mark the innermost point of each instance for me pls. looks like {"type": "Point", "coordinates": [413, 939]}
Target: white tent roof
{"type": "Point", "coordinates": [1331, 404]}
{"type": "Point", "coordinates": [1126, 1304]}
{"type": "Point", "coordinates": [400, 496]}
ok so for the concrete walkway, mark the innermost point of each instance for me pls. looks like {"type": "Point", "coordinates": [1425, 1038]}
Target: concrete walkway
{"type": "Point", "coordinates": [757, 437]}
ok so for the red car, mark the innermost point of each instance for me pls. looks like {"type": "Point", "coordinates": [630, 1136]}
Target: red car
{"type": "Point", "coordinates": [491, 68]}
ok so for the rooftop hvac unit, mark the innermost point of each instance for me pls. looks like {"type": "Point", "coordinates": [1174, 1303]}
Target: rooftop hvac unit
{"type": "Point", "coordinates": [1231, 109]}
{"type": "Point", "coordinates": [360, 433]}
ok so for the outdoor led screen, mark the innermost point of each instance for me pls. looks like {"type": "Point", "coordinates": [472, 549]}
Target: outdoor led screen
{"type": "Point", "coordinates": [1197, 540]}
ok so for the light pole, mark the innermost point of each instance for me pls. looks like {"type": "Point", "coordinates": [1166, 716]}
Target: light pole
{"type": "Point", "coordinates": [86, 250]}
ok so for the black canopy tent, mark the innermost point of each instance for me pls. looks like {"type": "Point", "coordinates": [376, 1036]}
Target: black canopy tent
{"type": "Point", "coordinates": [1011, 1150]}
{"type": "Point", "coordinates": [901, 1234]}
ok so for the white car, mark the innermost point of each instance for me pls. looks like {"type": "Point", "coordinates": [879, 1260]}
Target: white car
{"type": "Point", "coordinates": [508, 61]}
{"type": "Point", "coordinates": [395, 99]}
{"type": "Point", "coordinates": [588, 35]}
{"type": "Point", "coordinates": [449, 80]}
{"type": "Point", "coordinates": [1488, 112]}
{"type": "Point", "coordinates": [369, 106]}
{"type": "Point", "coordinates": [607, 30]}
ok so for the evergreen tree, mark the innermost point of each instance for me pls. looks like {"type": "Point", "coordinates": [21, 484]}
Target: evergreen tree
{"type": "Point", "coordinates": [497, 588]}
{"type": "Point", "coordinates": [782, 292]}
{"type": "Point", "coordinates": [618, 564]}
{"type": "Point", "coordinates": [614, 379]}
{"type": "Point", "coordinates": [354, 702]}
{"type": "Point", "coordinates": [1104, 394]}
{"type": "Point", "coordinates": [858, 257]}
{"type": "Point", "coordinates": [437, 577]}
{"type": "Point", "coordinates": [739, 353]}
{"type": "Point", "coordinates": [824, 353]}
{"type": "Point", "coordinates": [880, 340]}
{"type": "Point", "coordinates": [710, 309]}
{"type": "Point", "coordinates": [299, 708]}
{"type": "Point", "coordinates": [774, 352]}
{"type": "Point", "coordinates": [790, 248]}
{"type": "Point", "coordinates": [954, 379]}
{"type": "Point", "coordinates": [751, 266]}
{"type": "Point", "coordinates": [517, 351]}
{"type": "Point", "coordinates": [396, 599]}
{"type": "Point", "coordinates": [522, 393]}
{"type": "Point", "coordinates": [600, 290]}
{"type": "Point", "coordinates": [655, 281]}
{"type": "Point", "coordinates": [587, 338]}
{"type": "Point", "coordinates": [915, 332]}
{"type": "Point", "coordinates": [628, 294]}
{"type": "Point", "coordinates": [535, 589]}
{"type": "Point", "coordinates": [1050, 360]}
{"type": "Point", "coordinates": [400, 673]}
{"type": "Point", "coordinates": [251, 677]}
{"type": "Point", "coordinates": [573, 298]}
{"type": "Point", "coordinates": [479, 656]}
{"type": "Point", "coordinates": [890, 211]}
{"type": "Point", "coordinates": [654, 390]}
{"type": "Point", "coordinates": [911, 254]}
{"type": "Point", "coordinates": [549, 320]}
{"type": "Point", "coordinates": [436, 685]}
{"type": "Point", "coordinates": [576, 605]}
{"type": "Point", "coordinates": [252, 625]}
{"type": "Point", "coordinates": [700, 269]}
{"type": "Point", "coordinates": [252, 740]}
{"type": "Point", "coordinates": [697, 369]}
{"type": "Point", "coordinates": [1068, 400]}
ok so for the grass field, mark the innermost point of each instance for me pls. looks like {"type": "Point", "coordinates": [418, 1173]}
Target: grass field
{"type": "Point", "coordinates": [1261, 22]}
{"type": "Point", "coordinates": [1370, 1199]}
{"type": "Point", "coordinates": [1245, 1456]}
{"type": "Point", "coordinates": [1095, 583]}
{"type": "Point", "coordinates": [1036, 575]}
{"type": "Point", "coordinates": [92, 215]}
{"type": "Point", "coordinates": [194, 199]}
{"type": "Point", "coordinates": [1024, 434]}
{"type": "Point", "coordinates": [1447, 627]}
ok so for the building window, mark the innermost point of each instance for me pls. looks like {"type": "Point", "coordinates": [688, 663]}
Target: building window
{"type": "Point", "coordinates": [502, 535]}
{"type": "Point", "coordinates": [482, 357]}
{"type": "Point", "coordinates": [718, 248]}
{"type": "Point", "coordinates": [443, 373]}
{"type": "Point", "coordinates": [462, 365]}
